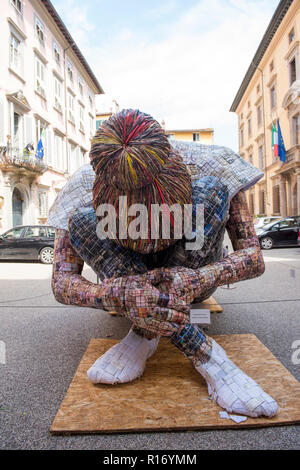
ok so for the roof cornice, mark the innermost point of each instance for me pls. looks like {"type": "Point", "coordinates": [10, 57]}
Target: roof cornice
{"type": "Point", "coordinates": [274, 24]}
{"type": "Point", "coordinates": [63, 29]}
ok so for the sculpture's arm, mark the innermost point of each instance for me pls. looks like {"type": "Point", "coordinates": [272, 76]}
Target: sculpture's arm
{"type": "Point", "coordinates": [68, 286]}
{"type": "Point", "coordinates": [245, 262]}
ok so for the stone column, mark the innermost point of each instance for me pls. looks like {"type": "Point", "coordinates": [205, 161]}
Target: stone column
{"type": "Point", "coordinates": [283, 208]}
{"type": "Point", "coordinates": [298, 190]}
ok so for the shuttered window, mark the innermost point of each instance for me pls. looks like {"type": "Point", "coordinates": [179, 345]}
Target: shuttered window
{"type": "Point", "coordinates": [276, 199]}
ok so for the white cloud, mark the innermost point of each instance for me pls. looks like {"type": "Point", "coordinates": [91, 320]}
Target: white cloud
{"type": "Point", "coordinates": [189, 77]}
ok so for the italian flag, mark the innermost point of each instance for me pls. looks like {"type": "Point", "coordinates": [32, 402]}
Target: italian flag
{"type": "Point", "coordinates": [275, 140]}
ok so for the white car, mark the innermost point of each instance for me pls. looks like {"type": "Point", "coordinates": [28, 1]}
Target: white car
{"type": "Point", "coordinates": [260, 222]}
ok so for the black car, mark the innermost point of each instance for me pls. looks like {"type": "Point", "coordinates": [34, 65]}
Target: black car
{"type": "Point", "coordinates": [28, 242]}
{"type": "Point", "coordinates": [284, 232]}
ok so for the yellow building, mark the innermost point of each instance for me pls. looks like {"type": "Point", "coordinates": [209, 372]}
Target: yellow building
{"type": "Point", "coordinates": [101, 117]}
{"type": "Point", "coordinates": [269, 91]}
{"type": "Point", "coordinates": [203, 136]}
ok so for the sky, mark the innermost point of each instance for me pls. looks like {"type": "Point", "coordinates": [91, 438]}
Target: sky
{"type": "Point", "coordinates": [178, 60]}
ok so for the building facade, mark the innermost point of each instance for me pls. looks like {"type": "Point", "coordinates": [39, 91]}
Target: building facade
{"type": "Point", "coordinates": [101, 117]}
{"type": "Point", "coordinates": [203, 136]}
{"type": "Point", "coordinates": [271, 90]}
{"type": "Point", "coordinates": [47, 94]}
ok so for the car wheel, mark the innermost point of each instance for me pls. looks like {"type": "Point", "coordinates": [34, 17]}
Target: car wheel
{"type": "Point", "coordinates": [266, 243]}
{"type": "Point", "coordinates": [46, 255]}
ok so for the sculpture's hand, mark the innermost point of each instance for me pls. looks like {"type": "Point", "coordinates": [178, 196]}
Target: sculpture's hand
{"type": "Point", "coordinates": [182, 284]}
{"type": "Point", "coordinates": [139, 295]}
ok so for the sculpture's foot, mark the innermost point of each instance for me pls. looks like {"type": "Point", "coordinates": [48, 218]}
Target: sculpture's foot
{"type": "Point", "coordinates": [232, 389]}
{"type": "Point", "coordinates": [123, 362]}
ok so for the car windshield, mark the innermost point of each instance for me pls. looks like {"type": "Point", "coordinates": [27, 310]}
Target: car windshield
{"type": "Point", "coordinates": [268, 226]}
{"type": "Point", "coordinates": [14, 233]}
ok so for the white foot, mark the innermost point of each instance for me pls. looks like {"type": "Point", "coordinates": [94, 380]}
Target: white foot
{"type": "Point", "coordinates": [232, 389]}
{"type": "Point", "coordinates": [123, 362]}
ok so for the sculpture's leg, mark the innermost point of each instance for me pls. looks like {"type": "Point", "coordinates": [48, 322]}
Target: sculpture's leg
{"type": "Point", "coordinates": [228, 385]}
{"type": "Point", "coordinates": [125, 361]}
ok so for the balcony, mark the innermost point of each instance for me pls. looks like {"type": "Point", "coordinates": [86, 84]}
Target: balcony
{"type": "Point", "coordinates": [14, 158]}
{"type": "Point", "coordinates": [293, 154]}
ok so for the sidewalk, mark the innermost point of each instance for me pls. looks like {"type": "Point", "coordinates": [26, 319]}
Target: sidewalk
{"type": "Point", "coordinates": [45, 342]}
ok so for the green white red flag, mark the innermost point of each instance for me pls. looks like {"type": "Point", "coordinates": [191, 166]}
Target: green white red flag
{"type": "Point", "coordinates": [275, 140]}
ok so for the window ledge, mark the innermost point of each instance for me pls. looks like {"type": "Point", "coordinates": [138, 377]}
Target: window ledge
{"type": "Point", "coordinates": [60, 111]}
{"type": "Point", "coordinates": [40, 55]}
{"type": "Point", "coordinates": [14, 72]}
{"type": "Point", "coordinates": [40, 95]}
{"type": "Point", "coordinates": [58, 75]}
{"type": "Point", "coordinates": [16, 27]}
{"type": "Point", "coordinates": [272, 80]}
{"type": "Point", "coordinates": [292, 50]}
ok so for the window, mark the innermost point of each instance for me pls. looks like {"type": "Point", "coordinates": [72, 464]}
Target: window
{"type": "Point", "coordinates": [251, 203]}
{"type": "Point", "coordinates": [72, 157]}
{"type": "Point", "coordinates": [15, 53]}
{"type": "Point", "coordinates": [71, 117]}
{"type": "Point", "coordinates": [292, 71]}
{"type": "Point", "coordinates": [40, 31]}
{"type": "Point", "coordinates": [261, 157]}
{"type": "Point", "coordinates": [56, 53]}
{"type": "Point", "coordinates": [287, 223]}
{"type": "Point", "coordinates": [37, 232]}
{"type": "Point", "coordinates": [271, 66]}
{"type": "Point", "coordinates": [251, 158]}
{"type": "Point", "coordinates": [276, 199]}
{"type": "Point", "coordinates": [82, 157]}
{"type": "Point", "coordinates": [43, 211]}
{"type": "Point", "coordinates": [81, 117]}
{"type": "Point", "coordinates": [291, 36]}
{"type": "Point", "coordinates": [18, 5]}
{"type": "Point", "coordinates": [273, 96]}
{"type": "Point", "coordinates": [40, 128]}
{"type": "Point", "coordinates": [249, 104]}
{"type": "Point", "coordinates": [90, 100]}
{"type": "Point", "coordinates": [91, 122]}
{"type": "Point", "coordinates": [80, 86]}
{"type": "Point", "coordinates": [249, 127]}
{"type": "Point", "coordinates": [70, 71]}
{"type": "Point", "coordinates": [258, 89]}
{"type": "Point", "coordinates": [40, 77]}
{"type": "Point", "coordinates": [196, 137]}
{"type": "Point", "coordinates": [14, 233]}
{"type": "Point", "coordinates": [58, 152]}
{"type": "Point", "coordinates": [258, 110]}
{"type": "Point", "coordinates": [57, 94]}
{"type": "Point", "coordinates": [242, 136]}
{"type": "Point", "coordinates": [51, 232]}
{"type": "Point", "coordinates": [99, 122]}
{"type": "Point", "coordinates": [296, 129]}
{"type": "Point", "coordinates": [262, 202]}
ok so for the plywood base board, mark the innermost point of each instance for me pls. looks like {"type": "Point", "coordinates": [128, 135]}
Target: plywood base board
{"type": "Point", "coordinates": [171, 395]}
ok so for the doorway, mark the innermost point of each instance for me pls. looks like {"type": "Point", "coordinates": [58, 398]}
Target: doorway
{"type": "Point", "coordinates": [17, 207]}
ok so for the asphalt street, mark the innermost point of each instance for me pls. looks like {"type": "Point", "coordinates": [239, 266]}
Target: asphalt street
{"type": "Point", "coordinates": [44, 342]}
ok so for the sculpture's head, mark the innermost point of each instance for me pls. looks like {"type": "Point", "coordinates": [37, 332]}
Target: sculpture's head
{"type": "Point", "coordinates": [135, 164]}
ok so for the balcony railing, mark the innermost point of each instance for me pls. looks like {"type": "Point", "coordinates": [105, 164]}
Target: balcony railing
{"type": "Point", "coordinates": [14, 157]}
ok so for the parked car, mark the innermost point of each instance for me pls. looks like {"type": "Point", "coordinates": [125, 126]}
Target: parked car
{"type": "Point", "coordinates": [284, 232]}
{"type": "Point", "coordinates": [28, 242]}
{"type": "Point", "coordinates": [259, 222]}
